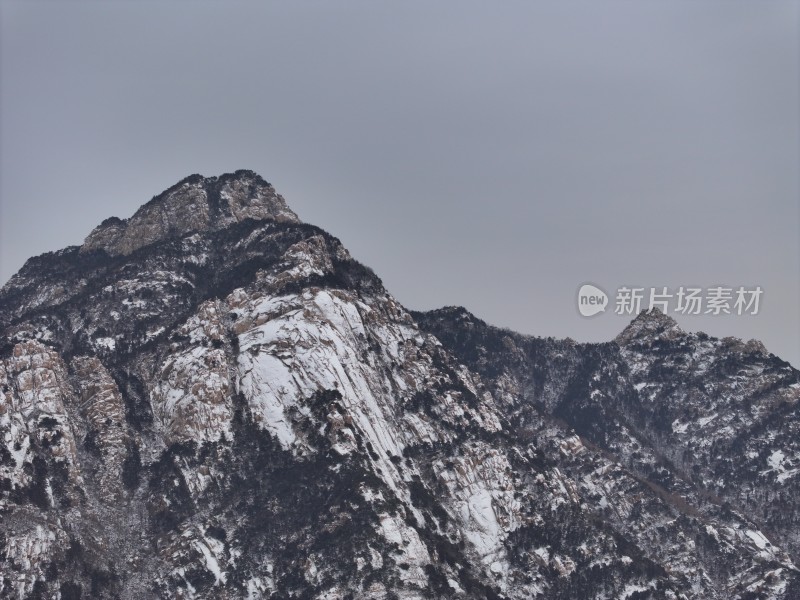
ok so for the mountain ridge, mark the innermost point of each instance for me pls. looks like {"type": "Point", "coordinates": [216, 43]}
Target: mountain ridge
{"type": "Point", "coordinates": [238, 409]}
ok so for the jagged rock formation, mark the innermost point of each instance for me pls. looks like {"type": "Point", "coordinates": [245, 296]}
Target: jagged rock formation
{"type": "Point", "coordinates": [194, 204]}
{"type": "Point", "coordinates": [214, 400]}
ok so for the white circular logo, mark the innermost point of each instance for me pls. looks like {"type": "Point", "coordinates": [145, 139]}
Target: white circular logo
{"type": "Point", "coordinates": [591, 300]}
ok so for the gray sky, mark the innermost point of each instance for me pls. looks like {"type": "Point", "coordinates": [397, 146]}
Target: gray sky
{"type": "Point", "coordinates": [491, 155]}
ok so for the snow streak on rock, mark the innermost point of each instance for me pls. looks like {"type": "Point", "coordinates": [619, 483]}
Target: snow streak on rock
{"type": "Point", "coordinates": [212, 399]}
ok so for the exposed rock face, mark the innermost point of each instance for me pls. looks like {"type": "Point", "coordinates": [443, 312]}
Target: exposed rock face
{"type": "Point", "coordinates": [709, 425]}
{"type": "Point", "coordinates": [214, 400]}
{"type": "Point", "coordinates": [194, 204]}
{"type": "Point", "coordinates": [649, 325]}
{"type": "Point", "coordinates": [107, 434]}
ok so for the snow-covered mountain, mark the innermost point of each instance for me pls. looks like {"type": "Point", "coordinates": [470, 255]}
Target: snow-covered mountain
{"type": "Point", "coordinates": [212, 399]}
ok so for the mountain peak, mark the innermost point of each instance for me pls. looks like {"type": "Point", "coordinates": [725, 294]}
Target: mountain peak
{"type": "Point", "coordinates": [195, 203]}
{"type": "Point", "coordinates": [147, 399]}
{"type": "Point", "coordinates": [649, 324]}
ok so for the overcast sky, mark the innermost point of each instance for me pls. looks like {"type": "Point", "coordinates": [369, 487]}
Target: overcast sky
{"type": "Point", "coordinates": [491, 155]}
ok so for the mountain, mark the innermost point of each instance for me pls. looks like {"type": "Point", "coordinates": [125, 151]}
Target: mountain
{"type": "Point", "coordinates": [212, 399]}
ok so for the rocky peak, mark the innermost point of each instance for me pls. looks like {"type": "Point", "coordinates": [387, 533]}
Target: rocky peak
{"type": "Point", "coordinates": [649, 324]}
{"type": "Point", "coordinates": [195, 203]}
{"type": "Point", "coordinates": [457, 314]}
{"type": "Point", "coordinates": [161, 410]}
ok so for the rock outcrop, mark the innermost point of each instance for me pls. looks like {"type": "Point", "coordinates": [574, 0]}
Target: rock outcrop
{"type": "Point", "coordinates": [212, 399]}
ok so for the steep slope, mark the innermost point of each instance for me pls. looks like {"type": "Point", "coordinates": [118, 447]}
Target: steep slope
{"type": "Point", "coordinates": [710, 424]}
{"type": "Point", "coordinates": [723, 411]}
{"type": "Point", "coordinates": [214, 400]}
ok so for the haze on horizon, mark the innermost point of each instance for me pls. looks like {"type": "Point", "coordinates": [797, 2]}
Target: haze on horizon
{"type": "Point", "coordinates": [490, 156]}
